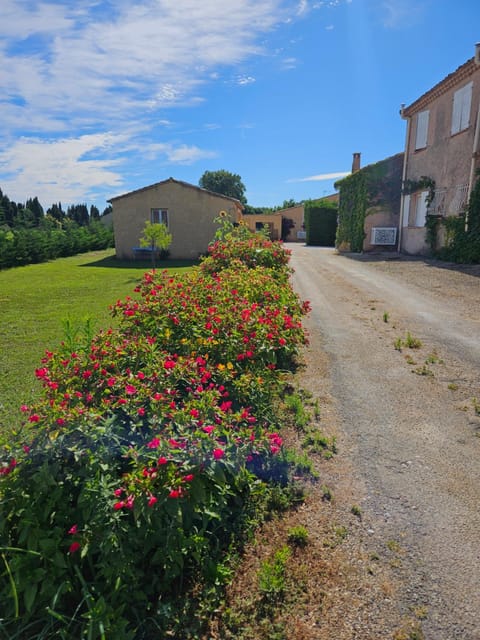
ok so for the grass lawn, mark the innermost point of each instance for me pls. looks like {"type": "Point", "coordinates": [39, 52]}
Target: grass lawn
{"type": "Point", "coordinates": [35, 300]}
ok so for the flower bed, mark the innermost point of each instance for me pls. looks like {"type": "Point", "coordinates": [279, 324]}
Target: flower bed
{"type": "Point", "coordinates": [146, 451]}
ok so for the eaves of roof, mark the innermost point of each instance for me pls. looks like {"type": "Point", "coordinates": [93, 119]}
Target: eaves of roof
{"type": "Point", "coordinates": [453, 79]}
{"type": "Point", "coordinates": [180, 182]}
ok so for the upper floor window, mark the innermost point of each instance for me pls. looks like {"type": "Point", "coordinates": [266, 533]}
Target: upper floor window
{"type": "Point", "coordinates": [159, 216]}
{"type": "Point", "coordinates": [462, 100]}
{"type": "Point", "coordinates": [422, 130]}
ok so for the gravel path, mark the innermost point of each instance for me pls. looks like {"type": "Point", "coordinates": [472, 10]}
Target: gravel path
{"type": "Point", "coordinates": [408, 421]}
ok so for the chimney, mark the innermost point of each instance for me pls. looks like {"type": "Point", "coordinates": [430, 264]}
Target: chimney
{"type": "Point", "coordinates": [356, 162]}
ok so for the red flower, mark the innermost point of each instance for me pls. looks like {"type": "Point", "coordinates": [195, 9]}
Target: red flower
{"type": "Point", "coordinates": [75, 546]}
{"type": "Point", "coordinates": [162, 460]}
{"type": "Point", "coordinates": [130, 390]}
{"type": "Point", "coordinates": [218, 453]}
{"type": "Point", "coordinates": [73, 529]}
{"type": "Point", "coordinates": [34, 417]}
{"type": "Point", "coordinates": [175, 493]}
{"type": "Point", "coordinates": [119, 505]}
{"type": "Point", "coordinates": [188, 478]}
{"type": "Point", "coordinates": [154, 444]}
{"type": "Point", "coordinates": [152, 500]}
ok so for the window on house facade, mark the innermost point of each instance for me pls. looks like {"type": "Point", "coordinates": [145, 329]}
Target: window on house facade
{"type": "Point", "coordinates": [422, 130]}
{"type": "Point", "coordinates": [462, 100]}
{"type": "Point", "coordinates": [159, 216]}
{"type": "Point", "coordinates": [415, 209]}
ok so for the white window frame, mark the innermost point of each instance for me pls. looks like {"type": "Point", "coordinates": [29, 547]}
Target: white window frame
{"type": "Point", "coordinates": [159, 216]}
{"type": "Point", "coordinates": [462, 102]}
{"type": "Point", "coordinates": [421, 136]}
{"type": "Point", "coordinates": [415, 208]}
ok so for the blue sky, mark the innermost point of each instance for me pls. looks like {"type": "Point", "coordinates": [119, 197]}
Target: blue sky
{"type": "Point", "coordinates": [100, 97]}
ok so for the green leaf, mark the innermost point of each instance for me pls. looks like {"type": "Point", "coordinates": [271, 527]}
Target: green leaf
{"type": "Point", "coordinates": [29, 595]}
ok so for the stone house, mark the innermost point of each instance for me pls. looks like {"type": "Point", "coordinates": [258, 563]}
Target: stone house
{"type": "Point", "coordinates": [188, 211]}
{"type": "Point", "coordinates": [441, 155]}
{"type": "Point", "coordinates": [369, 206]}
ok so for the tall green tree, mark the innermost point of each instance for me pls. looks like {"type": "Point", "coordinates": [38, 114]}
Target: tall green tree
{"type": "Point", "coordinates": [224, 182]}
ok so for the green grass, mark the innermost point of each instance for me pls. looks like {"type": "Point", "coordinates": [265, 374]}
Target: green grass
{"type": "Point", "coordinates": [36, 300]}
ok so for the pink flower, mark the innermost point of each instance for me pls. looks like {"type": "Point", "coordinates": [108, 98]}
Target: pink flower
{"type": "Point", "coordinates": [86, 374]}
{"type": "Point", "coordinates": [26, 448]}
{"type": "Point", "coordinates": [169, 364]}
{"type": "Point", "coordinates": [152, 500]}
{"type": "Point", "coordinates": [194, 413]}
{"type": "Point", "coordinates": [130, 390]}
{"type": "Point", "coordinates": [24, 408]}
{"type": "Point", "coordinates": [154, 444]}
{"type": "Point", "coordinates": [34, 417]}
{"type": "Point", "coordinates": [119, 505]}
{"type": "Point", "coordinates": [141, 411]}
{"type": "Point", "coordinates": [188, 478]}
{"type": "Point", "coordinates": [118, 492]}
{"type": "Point", "coordinates": [75, 546]}
{"type": "Point", "coordinates": [174, 493]}
{"type": "Point", "coordinates": [162, 460]}
{"type": "Point", "coordinates": [73, 529]}
{"type": "Point", "coordinates": [218, 453]}
{"type": "Point", "coordinates": [208, 429]}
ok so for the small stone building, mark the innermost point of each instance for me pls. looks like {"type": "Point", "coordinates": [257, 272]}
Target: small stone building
{"type": "Point", "coordinates": [188, 211]}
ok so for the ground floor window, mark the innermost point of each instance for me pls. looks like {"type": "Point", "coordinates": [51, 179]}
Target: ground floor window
{"type": "Point", "coordinates": [158, 216]}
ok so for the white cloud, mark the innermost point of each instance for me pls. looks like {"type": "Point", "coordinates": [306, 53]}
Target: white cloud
{"type": "Point", "coordinates": [321, 176]}
{"type": "Point", "coordinates": [75, 169]}
{"type": "Point", "coordinates": [59, 58]}
{"type": "Point", "coordinates": [399, 13]}
{"type": "Point", "coordinates": [244, 80]}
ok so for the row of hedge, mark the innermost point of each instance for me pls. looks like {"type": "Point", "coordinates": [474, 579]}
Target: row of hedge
{"type": "Point", "coordinates": [30, 246]}
{"type": "Point", "coordinates": [143, 462]}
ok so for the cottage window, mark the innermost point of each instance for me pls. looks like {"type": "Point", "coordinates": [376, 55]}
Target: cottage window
{"type": "Point", "coordinates": [415, 209]}
{"type": "Point", "coordinates": [159, 216]}
{"type": "Point", "coordinates": [462, 100]}
{"type": "Point", "coordinates": [422, 130]}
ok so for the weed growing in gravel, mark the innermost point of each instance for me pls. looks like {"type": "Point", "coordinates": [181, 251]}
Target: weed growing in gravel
{"type": "Point", "coordinates": [411, 342]}
{"type": "Point", "coordinates": [298, 536]}
{"type": "Point", "coordinates": [453, 386]}
{"type": "Point", "coordinates": [398, 344]}
{"type": "Point", "coordinates": [423, 371]}
{"type": "Point", "coordinates": [327, 494]}
{"type": "Point", "coordinates": [386, 316]}
{"type": "Point", "coordinates": [271, 576]}
{"type": "Point", "coordinates": [476, 406]}
{"type": "Point", "coordinates": [317, 442]}
{"type": "Point", "coordinates": [295, 405]}
{"type": "Point", "coordinates": [356, 510]}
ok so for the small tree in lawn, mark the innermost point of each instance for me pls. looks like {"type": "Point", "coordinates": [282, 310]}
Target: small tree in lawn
{"type": "Point", "coordinates": [155, 236]}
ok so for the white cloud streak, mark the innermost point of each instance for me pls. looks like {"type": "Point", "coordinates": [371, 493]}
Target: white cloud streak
{"type": "Point", "coordinates": [322, 176]}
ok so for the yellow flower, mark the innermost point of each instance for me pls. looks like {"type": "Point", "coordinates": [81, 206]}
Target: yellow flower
{"type": "Point", "coordinates": [229, 366]}
{"type": "Point", "coordinates": [223, 214]}
{"type": "Point", "coordinates": [220, 367]}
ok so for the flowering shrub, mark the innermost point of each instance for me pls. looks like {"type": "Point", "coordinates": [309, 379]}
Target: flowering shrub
{"type": "Point", "coordinates": [138, 464]}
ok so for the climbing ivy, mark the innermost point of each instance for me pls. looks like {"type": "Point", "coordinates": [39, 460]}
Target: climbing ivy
{"type": "Point", "coordinates": [376, 185]}
{"type": "Point", "coordinates": [463, 232]}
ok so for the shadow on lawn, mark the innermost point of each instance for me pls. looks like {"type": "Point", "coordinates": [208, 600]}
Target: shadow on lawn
{"type": "Point", "coordinates": [111, 262]}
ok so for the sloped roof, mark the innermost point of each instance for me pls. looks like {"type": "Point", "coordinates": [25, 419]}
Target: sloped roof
{"type": "Point", "coordinates": [453, 79]}
{"type": "Point", "coordinates": [180, 182]}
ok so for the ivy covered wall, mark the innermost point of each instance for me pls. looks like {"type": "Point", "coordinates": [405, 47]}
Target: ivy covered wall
{"type": "Point", "coordinates": [376, 185]}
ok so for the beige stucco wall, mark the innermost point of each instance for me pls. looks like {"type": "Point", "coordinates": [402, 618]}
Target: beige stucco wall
{"type": "Point", "coordinates": [297, 214]}
{"type": "Point", "coordinates": [274, 221]}
{"type": "Point", "coordinates": [447, 159]}
{"type": "Point", "coordinates": [378, 217]}
{"type": "Point", "coordinates": [191, 215]}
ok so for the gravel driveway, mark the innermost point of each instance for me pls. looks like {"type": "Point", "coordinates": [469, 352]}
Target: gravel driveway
{"type": "Point", "coordinates": [409, 422]}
